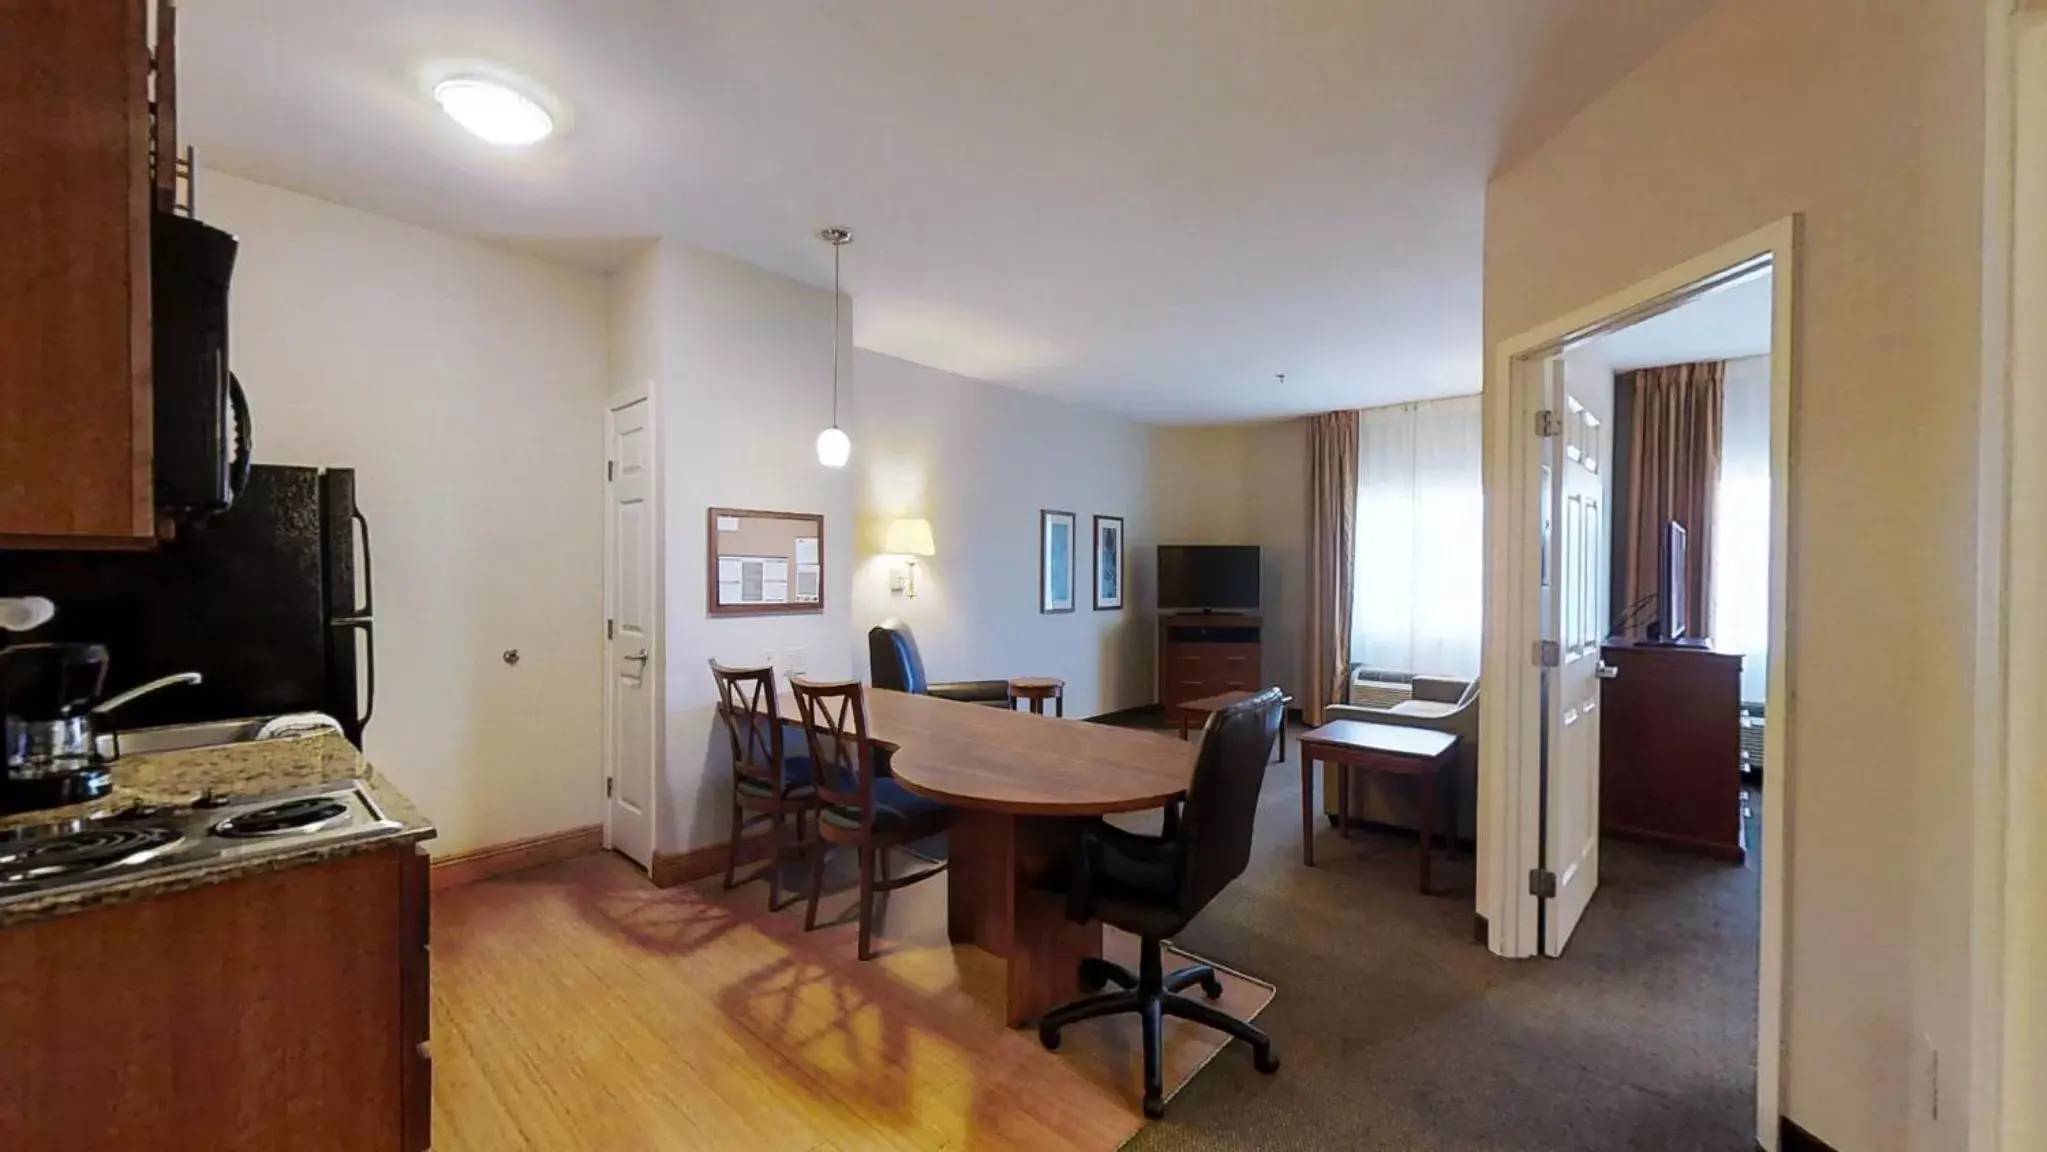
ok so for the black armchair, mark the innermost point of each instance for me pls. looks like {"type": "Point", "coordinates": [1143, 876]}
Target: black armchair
{"type": "Point", "coordinates": [894, 662]}
{"type": "Point", "coordinates": [1154, 886]}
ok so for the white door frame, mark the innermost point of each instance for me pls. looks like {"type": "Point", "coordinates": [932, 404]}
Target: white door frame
{"type": "Point", "coordinates": [2008, 909]}
{"type": "Point", "coordinates": [657, 672]}
{"type": "Point", "coordinates": [1510, 807]}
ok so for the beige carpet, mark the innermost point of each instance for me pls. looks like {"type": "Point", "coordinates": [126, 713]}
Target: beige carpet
{"type": "Point", "coordinates": [1398, 1032]}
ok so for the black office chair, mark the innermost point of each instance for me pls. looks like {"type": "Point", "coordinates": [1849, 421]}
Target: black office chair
{"type": "Point", "coordinates": [1154, 886]}
{"type": "Point", "coordinates": [894, 662]}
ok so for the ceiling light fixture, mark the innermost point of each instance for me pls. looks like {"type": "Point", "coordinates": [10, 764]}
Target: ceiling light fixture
{"type": "Point", "coordinates": [834, 447]}
{"type": "Point", "coordinates": [495, 112]}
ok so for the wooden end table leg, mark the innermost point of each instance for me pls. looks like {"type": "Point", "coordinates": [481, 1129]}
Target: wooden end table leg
{"type": "Point", "coordinates": [1307, 808]}
{"type": "Point", "coordinates": [1343, 771]}
{"type": "Point", "coordinates": [1059, 704]}
{"type": "Point", "coordinates": [1429, 790]}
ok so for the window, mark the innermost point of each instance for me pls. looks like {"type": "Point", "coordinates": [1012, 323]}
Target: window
{"type": "Point", "coordinates": [1741, 524]}
{"type": "Point", "coordinates": [1419, 584]}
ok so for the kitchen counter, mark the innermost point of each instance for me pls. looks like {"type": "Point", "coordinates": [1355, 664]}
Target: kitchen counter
{"type": "Point", "coordinates": [251, 768]}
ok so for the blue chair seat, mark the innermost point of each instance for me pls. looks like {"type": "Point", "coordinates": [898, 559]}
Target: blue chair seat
{"type": "Point", "coordinates": [895, 808]}
{"type": "Point", "coordinates": [798, 779]}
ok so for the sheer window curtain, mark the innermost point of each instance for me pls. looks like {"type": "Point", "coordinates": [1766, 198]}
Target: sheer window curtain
{"type": "Point", "coordinates": [1741, 524]}
{"type": "Point", "coordinates": [1419, 583]}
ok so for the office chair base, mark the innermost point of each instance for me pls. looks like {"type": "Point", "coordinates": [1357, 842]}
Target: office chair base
{"type": "Point", "coordinates": [1153, 996]}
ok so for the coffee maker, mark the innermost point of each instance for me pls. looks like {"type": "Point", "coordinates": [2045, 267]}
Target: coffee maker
{"type": "Point", "coordinates": [47, 754]}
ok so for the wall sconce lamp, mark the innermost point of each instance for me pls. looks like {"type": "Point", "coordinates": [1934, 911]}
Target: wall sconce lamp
{"type": "Point", "coordinates": [909, 538]}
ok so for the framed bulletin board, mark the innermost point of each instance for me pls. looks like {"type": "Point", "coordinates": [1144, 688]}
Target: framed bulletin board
{"type": "Point", "coordinates": [763, 563]}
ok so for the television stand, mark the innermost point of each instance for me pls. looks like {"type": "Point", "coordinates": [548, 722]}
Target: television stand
{"type": "Point", "coordinates": [1204, 654]}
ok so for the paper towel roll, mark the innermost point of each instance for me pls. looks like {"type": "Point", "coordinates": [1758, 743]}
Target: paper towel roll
{"type": "Point", "coordinates": [21, 613]}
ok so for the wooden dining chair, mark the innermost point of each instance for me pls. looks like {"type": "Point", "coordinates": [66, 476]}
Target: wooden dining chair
{"type": "Point", "coordinates": [858, 808]}
{"type": "Point", "coordinates": [768, 785]}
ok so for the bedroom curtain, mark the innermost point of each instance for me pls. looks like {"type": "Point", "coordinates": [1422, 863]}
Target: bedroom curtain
{"type": "Point", "coordinates": [1332, 535]}
{"type": "Point", "coordinates": [1419, 602]}
{"type": "Point", "coordinates": [1674, 474]}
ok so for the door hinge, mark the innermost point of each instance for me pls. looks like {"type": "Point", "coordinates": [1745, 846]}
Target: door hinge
{"type": "Point", "coordinates": [611, 629]}
{"type": "Point", "coordinates": [1548, 654]}
{"type": "Point", "coordinates": [1543, 883]}
{"type": "Point", "coordinates": [608, 783]}
{"type": "Point", "coordinates": [1549, 423]}
{"type": "Point", "coordinates": [611, 469]}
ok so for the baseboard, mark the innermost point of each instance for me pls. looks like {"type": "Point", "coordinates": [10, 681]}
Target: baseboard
{"type": "Point", "coordinates": [498, 859]}
{"type": "Point", "coordinates": [1792, 1138]}
{"type": "Point", "coordinates": [673, 868]}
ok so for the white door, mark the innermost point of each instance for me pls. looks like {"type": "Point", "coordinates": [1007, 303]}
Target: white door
{"type": "Point", "coordinates": [1576, 619]}
{"type": "Point", "coordinates": [630, 648]}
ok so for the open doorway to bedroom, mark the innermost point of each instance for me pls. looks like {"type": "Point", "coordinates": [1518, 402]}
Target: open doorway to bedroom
{"type": "Point", "coordinates": [1632, 795]}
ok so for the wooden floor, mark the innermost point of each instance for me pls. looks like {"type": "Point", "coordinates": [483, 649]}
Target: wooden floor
{"type": "Point", "coordinates": [578, 1007]}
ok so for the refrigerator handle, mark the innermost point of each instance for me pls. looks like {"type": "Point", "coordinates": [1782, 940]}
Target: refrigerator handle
{"type": "Point", "coordinates": [369, 586]}
{"type": "Point", "coordinates": [369, 637]}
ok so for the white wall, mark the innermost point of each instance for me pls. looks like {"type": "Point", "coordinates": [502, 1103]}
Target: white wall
{"type": "Point", "coordinates": [979, 461]}
{"type": "Point", "coordinates": [742, 367]}
{"type": "Point", "coordinates": [1244, 484]}
{"type": "Point", "coordinates": [464, 384]}
{"type": "Point", "coordinates": [1888, 178]}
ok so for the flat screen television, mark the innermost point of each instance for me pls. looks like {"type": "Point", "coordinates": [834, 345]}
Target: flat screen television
{"type": "Point", "coordinates": [1208, 577]}
{"type": "Point", "coordinates": [1674, 612]}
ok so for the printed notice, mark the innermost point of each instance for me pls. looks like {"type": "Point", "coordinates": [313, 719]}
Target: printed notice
{"type": "Point", "coordinates": [728, 523]}
{"type": "Point", "coordinates": [806, 551]}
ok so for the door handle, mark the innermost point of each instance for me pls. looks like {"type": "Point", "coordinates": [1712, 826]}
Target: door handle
{"type": "Point", "coordinates": [1607, 671]}
{"type": "Point", "coordinates": [639, 657]}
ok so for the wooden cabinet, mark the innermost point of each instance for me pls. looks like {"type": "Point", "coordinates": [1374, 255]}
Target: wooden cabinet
{"type": "Point", "coordinates": [1208, 654]}
{"type": "Point", "coordinates": [1670, 749]}
{"type": "Point", "coordinates": [284, 1009]}
{"type": "Point", "coordinates": [75, 177]}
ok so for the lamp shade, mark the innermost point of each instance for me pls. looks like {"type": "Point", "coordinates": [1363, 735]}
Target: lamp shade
{"type": "Point", "coordinates": [910, 538]}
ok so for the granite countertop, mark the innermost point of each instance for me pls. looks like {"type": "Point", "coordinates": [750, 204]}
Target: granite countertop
{"type": "Point", "coordinates": [251, 768]}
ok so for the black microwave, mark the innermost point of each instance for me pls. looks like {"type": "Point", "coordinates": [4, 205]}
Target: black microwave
{"type": "Point", "coordinates": [203, 436]}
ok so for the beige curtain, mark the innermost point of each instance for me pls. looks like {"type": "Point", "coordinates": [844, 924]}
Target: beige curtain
{"type": "Point", "coordinates": [1332, 554]}
{"type": "Point", "coordinates": [1673, 470]}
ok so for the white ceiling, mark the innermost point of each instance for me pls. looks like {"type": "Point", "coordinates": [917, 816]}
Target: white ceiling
{"type": "Point", "coordinates": [1150, 205]}
{"type": "Point", "coordinates": [1725, 324]}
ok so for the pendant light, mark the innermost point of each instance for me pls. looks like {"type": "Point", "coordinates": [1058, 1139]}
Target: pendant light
{"type": "Point", "coordinates": [833, 445]}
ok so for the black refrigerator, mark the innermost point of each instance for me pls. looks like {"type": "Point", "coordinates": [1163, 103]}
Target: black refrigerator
{"type": "Point", "coordinates": [270, 601]}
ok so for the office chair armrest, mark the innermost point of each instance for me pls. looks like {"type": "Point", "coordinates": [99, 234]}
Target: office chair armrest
{"type": "Point", "coordinates": [973, 691]}
{"type": "Point", "coordinates": [1094, 840]}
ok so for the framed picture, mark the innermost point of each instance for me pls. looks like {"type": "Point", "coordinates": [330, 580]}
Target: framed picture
{"type": "Point", "coordinates": [1055, 560]}
{"type": "Point", "coordinates": [1108, 563]}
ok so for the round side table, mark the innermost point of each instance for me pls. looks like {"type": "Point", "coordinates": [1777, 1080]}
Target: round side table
{"type": "Point", "coordinates": [1037, 690]}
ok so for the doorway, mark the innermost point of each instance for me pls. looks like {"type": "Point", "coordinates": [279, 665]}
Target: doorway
{"type": "Point", "coordinates": [1554, 606]}
{"type": "Point", "coordinates": [632, 632]}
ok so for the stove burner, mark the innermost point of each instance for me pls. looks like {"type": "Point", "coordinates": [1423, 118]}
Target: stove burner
{"type": "Point", "coordinates": [282, 819]}
{"type": "Point", "coordinates": [29, 861]}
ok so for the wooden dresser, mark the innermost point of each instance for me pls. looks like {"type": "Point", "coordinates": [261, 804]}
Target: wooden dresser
{"type": "Point", "coordinates": [1670, 748]}
{"type": "Point", "coordinates": [1203, 654]}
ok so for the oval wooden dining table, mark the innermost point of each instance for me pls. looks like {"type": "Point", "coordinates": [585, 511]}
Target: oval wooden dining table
{"type": "Point", "coordinates": [1017, 782]}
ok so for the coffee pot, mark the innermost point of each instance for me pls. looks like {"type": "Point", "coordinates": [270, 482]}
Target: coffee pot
{"type": "Point", "coordinates": [50, 698]}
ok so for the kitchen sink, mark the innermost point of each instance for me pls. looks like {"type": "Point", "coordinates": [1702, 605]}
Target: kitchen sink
{"type": "Point", "coordinates": [179, 737]}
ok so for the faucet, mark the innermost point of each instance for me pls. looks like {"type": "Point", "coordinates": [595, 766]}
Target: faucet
{"type": "Point", "coordinates": [141, 690]}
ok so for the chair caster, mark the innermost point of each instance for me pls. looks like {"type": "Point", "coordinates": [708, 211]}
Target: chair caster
{"type": "Point", "coordinates": [1212, 988]}
{"type": "Point", "coordinates": [1049, 1037]}
{"type": "Point", "coordinates": [1265, 1060]}
{"type": "Point", "coordinates": [1154, 1108]}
